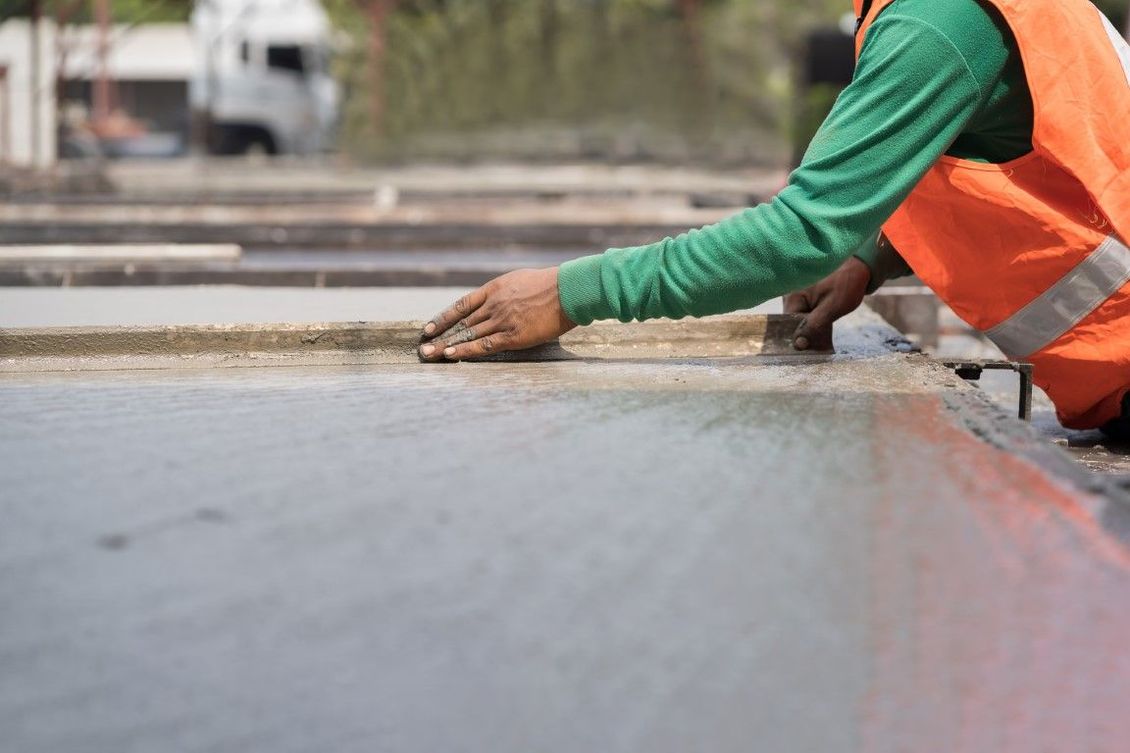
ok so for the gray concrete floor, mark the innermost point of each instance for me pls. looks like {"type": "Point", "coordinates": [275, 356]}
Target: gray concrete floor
{"type": "Point", "coordinates": [51, 307]}
{"type": "Point", "coordinates": [552, 557]}
{"type": "Point", "coordinates": [855, 554]}
{"type": "Point", "coordinates": [850, 555]}
{"type": "Point", "coordinates": [57, 307]}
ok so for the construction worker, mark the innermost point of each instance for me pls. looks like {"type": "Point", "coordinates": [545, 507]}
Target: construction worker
{"type": "Point", "coordinates": [983, 144]}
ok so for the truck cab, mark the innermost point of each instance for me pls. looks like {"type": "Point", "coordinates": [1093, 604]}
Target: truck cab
{"type": "Point", "coordinates": [263, 78]}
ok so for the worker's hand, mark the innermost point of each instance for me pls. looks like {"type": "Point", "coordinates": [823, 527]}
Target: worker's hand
{"type": "Point", "coordinates": [516, 311]}
{"type": "Point", "coordinates": [822, 304]}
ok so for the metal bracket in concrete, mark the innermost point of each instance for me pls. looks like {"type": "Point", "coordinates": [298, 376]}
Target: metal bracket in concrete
{"type": "Point", "coordinates": [118, 348]}
{"type": "Point", "coordinates": [971, 372]}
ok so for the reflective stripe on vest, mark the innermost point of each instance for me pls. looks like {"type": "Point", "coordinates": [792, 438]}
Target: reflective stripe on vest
{"type": "Point", "coordinates": [1120, 45]}
{"type": "Point", "coordinates": [1066, 303]}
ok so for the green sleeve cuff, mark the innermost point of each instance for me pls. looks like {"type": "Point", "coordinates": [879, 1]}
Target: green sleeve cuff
{"type": "Point", "coordinates": [581, 292]}
{"type": "Point", "coordinates": [883, 261]}
{"type": "Point", "coordinates": [868, 253]}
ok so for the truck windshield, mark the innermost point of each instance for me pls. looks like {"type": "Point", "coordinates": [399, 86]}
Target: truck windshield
{"type": "Point", "coordinates": [286, 58]}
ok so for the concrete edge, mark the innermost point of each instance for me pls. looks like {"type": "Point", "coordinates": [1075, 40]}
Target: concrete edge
{"type": "Point", "coordinates": [1000, 428]}
{"type": "Point", "coordinates": [204, 346]}
{"type": "Point", "coordinates": [119, 252]}
{"type": "Point", "coordinates": [392, 235]}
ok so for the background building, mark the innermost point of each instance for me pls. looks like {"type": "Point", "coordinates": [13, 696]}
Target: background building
{"type": "Point", "coordinates": [27, 94]}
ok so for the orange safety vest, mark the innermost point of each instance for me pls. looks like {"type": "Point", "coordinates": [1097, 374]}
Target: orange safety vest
{"type": "Point", "coordinates": [1030, 252]}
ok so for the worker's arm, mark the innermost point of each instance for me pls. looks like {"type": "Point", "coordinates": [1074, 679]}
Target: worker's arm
{"type": "Point", "coordinates": [912, 95]}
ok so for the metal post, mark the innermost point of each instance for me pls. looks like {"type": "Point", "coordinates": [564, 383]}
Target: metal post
{"type": "Point", "coordinates": [202, 120]}
{"type": "Point", "coordinates": [201, 117]}
{"type": "Point", "coordinates": [35, 121]}
{"type": "Point", "coordinates": [101, 94]}
{"type": "Point", "coordinates": [1025, 409]}
{"type": "Point", "coordinates": [5, 116]}
{"type": "Point", "coordinates": [379, 11]}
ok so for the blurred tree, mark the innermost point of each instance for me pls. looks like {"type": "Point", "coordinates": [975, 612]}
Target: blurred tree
{"type": "Point", "coordinates": [124, 11]}
{"type": "Point", "coordinates": [376, 13]}
{"type": "Point", "coordinates": [612, 78]}
{"type": "Point", "coordinates": [691, 11]}
{"type": "Point", "coordinates": [151, 11]}
{"type": "Point", "coordinates": [631, 79]}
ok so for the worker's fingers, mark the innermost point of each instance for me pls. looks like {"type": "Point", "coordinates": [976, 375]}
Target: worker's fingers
{"type": "Point", "coordinates": [461, 309]}
{"type": "Point", "coordinates": [475, 318]}
{"type": "Point", "coordinates": [486, 345]}
{"type": "Point", "coordinates": [524, 310]}
{"type": "Point", "coordinates": [797, 303]}
{"type": "Point", "coordinates": [815, 330]}
{"type": "Point", "coordinates": [470, 342]}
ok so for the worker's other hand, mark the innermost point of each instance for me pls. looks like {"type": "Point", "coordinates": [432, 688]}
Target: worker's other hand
{"type": "Point", "coordinates": [822, 304]}
{"type": "Point", "coordinates": [516, 311]}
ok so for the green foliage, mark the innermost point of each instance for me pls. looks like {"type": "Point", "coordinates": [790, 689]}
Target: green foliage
{"type": "Point", "coordinates": [564, 78]}
{"type": "Point", "coordinates": [124, 11]}
{"type": "Point", "coordinates": [151, 11]}
{"type": "Point", "coordinates": [609, 78]}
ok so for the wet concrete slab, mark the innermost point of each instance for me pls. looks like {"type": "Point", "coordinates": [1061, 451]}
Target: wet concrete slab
{"type": "Point", "coordinates": [376, 343]}
{"type": "Point", "coordinates": [852, 555]}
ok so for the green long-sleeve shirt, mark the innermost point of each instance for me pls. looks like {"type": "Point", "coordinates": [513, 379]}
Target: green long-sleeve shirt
{"type": "Point", "coordinates": [934, 77]}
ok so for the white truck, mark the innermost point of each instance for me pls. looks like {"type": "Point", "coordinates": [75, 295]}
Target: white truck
{"type": "Point", "coordinates": [262, 80]}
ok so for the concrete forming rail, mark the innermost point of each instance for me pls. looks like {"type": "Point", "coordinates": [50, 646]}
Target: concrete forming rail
{"type": "Point", "coordinates": [359, 343]}
{"type": "Point", "coordinates": [704, 551]}
{"type": "Point", "coordinates": [542, 208]}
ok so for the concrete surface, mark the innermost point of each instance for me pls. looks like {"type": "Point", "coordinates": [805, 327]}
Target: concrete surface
{"type": "Point", "coordinates": [355, 343]}
{"type": "Point", "coordinates": [67, 307]}
{"type": "Point", "coordinates": [558, 210]}
{"type": "Point", "coordinates": [857, 555]}
{"type": "Point", "coordinates": [205, 178]}
{"type": "Point", "coordinates": [480, 206]}
{"type": "Point", "coordinates": [522, 230]}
